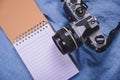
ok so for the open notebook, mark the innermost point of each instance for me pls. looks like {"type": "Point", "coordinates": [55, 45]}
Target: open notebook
{"type": "Point", "coordinates": [30, 33]}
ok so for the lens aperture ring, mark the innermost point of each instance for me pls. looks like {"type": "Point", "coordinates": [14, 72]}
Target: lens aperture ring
{"type": "Point", "coordinates": [71, 36]}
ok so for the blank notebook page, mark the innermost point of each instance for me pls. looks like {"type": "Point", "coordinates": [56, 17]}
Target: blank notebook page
{"type": "Point", "coordinates": [41, 56]}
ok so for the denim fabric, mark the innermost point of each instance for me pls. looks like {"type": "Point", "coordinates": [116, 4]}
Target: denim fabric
{"type": "Point", "coordinates": [92, 66]}
{"type": "Point", "coordinates": [11, 66]}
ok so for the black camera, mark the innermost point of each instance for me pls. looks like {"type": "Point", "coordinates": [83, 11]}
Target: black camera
{"type": "Point", "coordinates": [83, 28]}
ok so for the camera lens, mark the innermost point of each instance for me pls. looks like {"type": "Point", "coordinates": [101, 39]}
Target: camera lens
{"type": "Point", "coordinates": [66, 40]}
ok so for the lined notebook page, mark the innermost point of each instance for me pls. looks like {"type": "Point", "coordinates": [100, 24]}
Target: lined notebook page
{"type": "Point", "coordinates": [42, 58]}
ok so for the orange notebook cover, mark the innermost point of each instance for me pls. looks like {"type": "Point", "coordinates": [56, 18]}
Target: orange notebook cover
{"type": "Point", "coordinates": [21, 19]}
{"type": "Point", "coordinates": [17, 16]}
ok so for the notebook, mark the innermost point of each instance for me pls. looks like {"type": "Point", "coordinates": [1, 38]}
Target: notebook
{"type": "Point", "coordinates": [31, 35]}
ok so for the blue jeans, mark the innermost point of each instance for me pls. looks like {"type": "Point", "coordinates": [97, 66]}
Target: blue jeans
{"type": "Point", "coordinates": [92, 66]}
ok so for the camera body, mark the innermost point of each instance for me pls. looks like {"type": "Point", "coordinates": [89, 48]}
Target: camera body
{"type": "Point", "coordinates": [82, 29]}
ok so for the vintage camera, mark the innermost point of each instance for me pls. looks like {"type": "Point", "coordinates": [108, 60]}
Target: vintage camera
{"type": "Point", "coordinates": [82, 29]}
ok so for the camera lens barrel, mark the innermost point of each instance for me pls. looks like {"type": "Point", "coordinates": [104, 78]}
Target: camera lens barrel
{"type": "Point", "coordinates": [66, 40]}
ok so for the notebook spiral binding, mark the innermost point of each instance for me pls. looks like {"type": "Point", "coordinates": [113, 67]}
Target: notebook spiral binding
{"type": "Point", "coordinates": [30, 33]}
